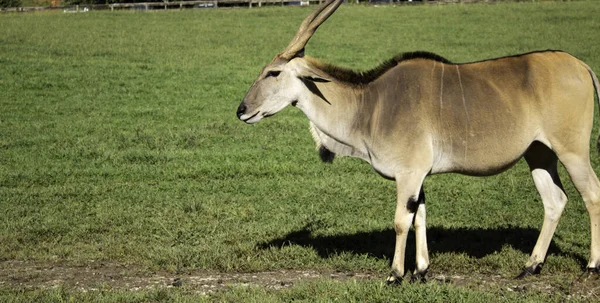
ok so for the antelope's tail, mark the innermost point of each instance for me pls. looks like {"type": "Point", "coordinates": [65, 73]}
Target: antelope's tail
{"type": "Point", "coordinates": [597, 87]}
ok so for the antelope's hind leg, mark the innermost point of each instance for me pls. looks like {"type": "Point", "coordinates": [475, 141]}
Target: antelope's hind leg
{"type": "Point", "coordinates": [542, 163]}
{"type": "Point", "coordinates": [586, 182]}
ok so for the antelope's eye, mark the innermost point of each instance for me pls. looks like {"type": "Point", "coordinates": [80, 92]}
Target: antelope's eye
{"type": "Point", "coordinates": [273, 73]}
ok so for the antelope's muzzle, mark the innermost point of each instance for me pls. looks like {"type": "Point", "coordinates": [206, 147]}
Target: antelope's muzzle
{"type": "Point", "coordinates": [241, 110]}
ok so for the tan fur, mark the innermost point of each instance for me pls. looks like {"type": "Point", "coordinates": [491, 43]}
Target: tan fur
{"type": "Point", "coordinates": [422, 115]}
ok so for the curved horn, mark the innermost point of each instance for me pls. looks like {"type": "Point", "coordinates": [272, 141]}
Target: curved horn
{"type": "Point", "coordinates": [308, 28]}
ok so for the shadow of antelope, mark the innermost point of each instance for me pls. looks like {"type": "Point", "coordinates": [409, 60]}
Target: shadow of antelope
{"type": "Point", "coordinates": [473, 242]}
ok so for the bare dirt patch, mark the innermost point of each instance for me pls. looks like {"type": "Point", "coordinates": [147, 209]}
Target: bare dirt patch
{"type": "Point", "coordinates": [27, 275]}
{"type": "Point", "coordinates": [102, 275]}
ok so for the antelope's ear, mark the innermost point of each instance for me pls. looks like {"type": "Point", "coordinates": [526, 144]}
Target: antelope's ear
{"type": "Point", "coordinates": [314, 75]}
{"type": "Point", "coordinates": [302, 69]}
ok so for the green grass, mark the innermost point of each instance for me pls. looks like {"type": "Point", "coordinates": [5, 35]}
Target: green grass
{"type": "Point", "coordinates": [318, 291]}
{"type": "Point", "coordinates": [119, 143]}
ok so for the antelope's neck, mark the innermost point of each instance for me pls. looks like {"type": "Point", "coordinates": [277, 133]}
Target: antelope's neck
{"type": "Point", "coordinates": [335, 113]}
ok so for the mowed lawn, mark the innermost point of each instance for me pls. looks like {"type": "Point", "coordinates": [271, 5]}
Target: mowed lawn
{"type": "Point", "coordinates": [119, 144]}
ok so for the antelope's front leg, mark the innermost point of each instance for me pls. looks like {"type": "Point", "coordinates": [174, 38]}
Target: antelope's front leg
{"type": "Point", "coordinates": [422, 263]}
{"type": "Point", "coordinates": [408, 199]}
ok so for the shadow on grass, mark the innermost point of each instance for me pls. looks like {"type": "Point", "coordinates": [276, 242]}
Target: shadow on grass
{"type": "Point", "coordinates": [476, 243]}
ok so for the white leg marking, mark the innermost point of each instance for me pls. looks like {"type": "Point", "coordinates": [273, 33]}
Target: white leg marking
{"type": "Point", "coordinates": [421, 240]}
{"type": "Point", "coordinates": [553, 197]}
{"type": "Point", "coordinates": [554, 200]}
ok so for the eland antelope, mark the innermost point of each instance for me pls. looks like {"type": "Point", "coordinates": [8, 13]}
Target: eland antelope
{"type": "Point", "coordinates": [419, 114]}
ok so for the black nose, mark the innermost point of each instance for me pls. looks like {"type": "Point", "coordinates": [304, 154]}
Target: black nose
{"type": "Point", "coordinates": [241, 110]}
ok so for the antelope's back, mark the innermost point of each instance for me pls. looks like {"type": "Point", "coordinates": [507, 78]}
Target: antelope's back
{"type": "Point", "coordinates": [482, 116]}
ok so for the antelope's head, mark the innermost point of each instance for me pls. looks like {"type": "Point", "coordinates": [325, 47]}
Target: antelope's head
{"type": "Point", "coordinates": [283, 81]}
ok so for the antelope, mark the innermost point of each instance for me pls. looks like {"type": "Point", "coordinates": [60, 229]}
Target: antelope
{"type": "Point", "coordinates": [418, 114]}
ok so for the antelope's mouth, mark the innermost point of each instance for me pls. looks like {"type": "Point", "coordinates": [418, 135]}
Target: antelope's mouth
{"type": "Point", "coordinates": [257, 117]}
{"type": "Point", "coordinates": [249, 120]}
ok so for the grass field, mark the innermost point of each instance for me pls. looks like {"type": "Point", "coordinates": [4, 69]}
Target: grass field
{"type": "Point", "coordinates": [120, 149]}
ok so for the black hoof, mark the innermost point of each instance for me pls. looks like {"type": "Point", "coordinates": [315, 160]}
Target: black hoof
{"type": "Point", "coordinates": [419, 277]}
{"type": "Point", "coordinates": [177, 282]}
{"type": "Point", "coordinates": [592, 273]}
{"type": "Point", "coordinates": [394, 278]}
{"type": "Point", "coordinates": [532, 270]}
